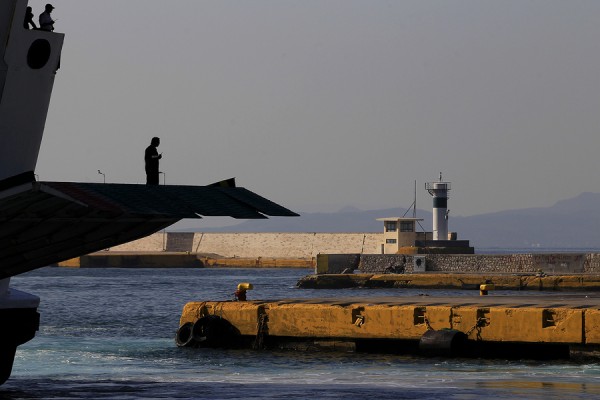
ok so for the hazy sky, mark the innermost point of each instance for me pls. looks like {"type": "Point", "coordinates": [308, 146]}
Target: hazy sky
{"type": "Point", "coordinates": [322, 104]}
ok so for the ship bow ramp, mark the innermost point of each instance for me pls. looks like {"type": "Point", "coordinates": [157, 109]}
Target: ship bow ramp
{"type": "Point", "coordinates": [42, 223]}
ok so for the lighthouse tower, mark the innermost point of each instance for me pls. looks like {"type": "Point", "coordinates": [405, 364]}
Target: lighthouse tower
{"type": "Point", "coordinates": [439, 190]}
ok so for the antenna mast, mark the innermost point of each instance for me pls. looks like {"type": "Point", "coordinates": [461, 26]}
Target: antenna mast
{"type": "Point", "coordinates": [415, 202]}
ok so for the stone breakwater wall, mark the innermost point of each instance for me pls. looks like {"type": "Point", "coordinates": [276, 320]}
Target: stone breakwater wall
{"type": "Point", "coordinates": [255, 245]}
{"type": "Point", "coordinates": [355, 251]}
{"type": "Point", "coordinates": [588, 263]}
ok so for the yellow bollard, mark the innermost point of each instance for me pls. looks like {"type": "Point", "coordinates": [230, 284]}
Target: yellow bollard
{"type": "Point", "coordinates": [240, 293]}
{"type": "Point", "coordinates": [245, 286]}
{"type": "Point", "coordinates": [484, 288]}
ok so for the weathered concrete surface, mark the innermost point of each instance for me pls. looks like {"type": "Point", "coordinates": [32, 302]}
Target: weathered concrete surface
{"type": "Point", "coordinates": [134, 260]}
{"type": "Point", "coordinates": [558, 263]}
{"type": "Point", "coordinates": [338, 252]}
{"type": "Point", "coordinates": [337, 263]}
{"type": "Point", "coordinates": [254, 245]}
{"type": "Point", "coordinates": [452, 281]}
{"type": "Point", "coordinates": [259, 262]}
{"type": "Point", "coordinates": [178, 260]}
{"type": "Point", "coordinates": [565, 319]}
{"type": "Point", "coordinates": [367, 245]}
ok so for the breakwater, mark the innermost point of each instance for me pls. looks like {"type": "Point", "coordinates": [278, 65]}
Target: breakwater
{"type": "Point", "coordinates": [558, 263]}
{"type": "Point", "coordinates": [233, 250]}
{"type": "Point", "coordinates": [115, 259]}
{"type": "Point", "coordinates": [253, 245]}
{"type": "Point", "coordinates": [330, 253]}
{"type": "Point", "coordinates": [462, 281]}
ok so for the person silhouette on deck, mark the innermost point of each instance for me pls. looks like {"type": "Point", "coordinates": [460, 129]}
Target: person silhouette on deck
{"type": "Point", "coordinates": [151, 158]}
{"type": "Point", "coordinates": [46, 21]}
{"type": "Point", "coordinates": [29, 19]}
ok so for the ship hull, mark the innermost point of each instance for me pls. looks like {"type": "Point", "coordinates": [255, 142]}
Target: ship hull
{"type": "Point", "coordinates": [19, 321]}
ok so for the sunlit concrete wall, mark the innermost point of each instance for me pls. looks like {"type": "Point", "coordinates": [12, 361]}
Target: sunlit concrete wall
{"type": "Point", "coordinates": [531, 324]}
{"type": "Point", "coordinates": [252, 245]}
{"type": "Point", "coordinates": [309, 245]}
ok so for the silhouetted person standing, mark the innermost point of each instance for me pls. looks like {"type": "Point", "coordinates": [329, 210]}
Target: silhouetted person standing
{"type": "Point", "coordinates": [46, 21]}
{"type": "Point", "coordinates": [29, 19]}
{"type": "Point", "coordinates": [151, 158]}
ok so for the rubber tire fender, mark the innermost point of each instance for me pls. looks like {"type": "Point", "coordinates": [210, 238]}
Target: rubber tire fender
{"type": "Point", "coordinates": [214, 331]}
{"type": "Point", "coordinates": [184, 337]}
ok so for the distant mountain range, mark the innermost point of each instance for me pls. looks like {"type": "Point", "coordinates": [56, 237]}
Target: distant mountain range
{"type": "Point", "coordinates": [569, 224]}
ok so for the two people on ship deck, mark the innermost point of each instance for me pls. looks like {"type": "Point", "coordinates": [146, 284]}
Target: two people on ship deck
{"type": "Point", "coordinates": [46, 21]}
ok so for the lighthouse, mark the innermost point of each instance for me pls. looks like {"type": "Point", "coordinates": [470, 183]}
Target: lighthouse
{"type": "Point", "coordinates": [439, 190]}
{"type": "Point", "coordinates": [400, 234]}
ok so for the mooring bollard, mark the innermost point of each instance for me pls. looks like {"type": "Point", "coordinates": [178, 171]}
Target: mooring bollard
{"type": "Point", "coordinates": [484, 288]}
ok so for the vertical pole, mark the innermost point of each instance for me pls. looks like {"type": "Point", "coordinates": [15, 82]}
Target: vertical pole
{"type": "Point", "coordinates": [415, 202]}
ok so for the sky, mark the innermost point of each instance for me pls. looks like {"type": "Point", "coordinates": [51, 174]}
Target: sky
{"type": "Point", "coordinates": [318, 105]}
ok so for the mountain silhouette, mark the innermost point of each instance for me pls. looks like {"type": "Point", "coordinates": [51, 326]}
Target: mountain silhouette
{"type": "Point", "coordinates": [569, 224]}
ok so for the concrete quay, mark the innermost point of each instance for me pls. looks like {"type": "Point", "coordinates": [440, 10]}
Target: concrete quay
{"type": "Point", "coordinates": [134, 259]}
{"type": "Point", "coordinates": [553, 326]}
{"type": "Point", "coordinates": [573, 282]}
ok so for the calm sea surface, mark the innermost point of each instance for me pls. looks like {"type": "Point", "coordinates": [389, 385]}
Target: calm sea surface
{"type": "Point", "coordinates": [108, 334]}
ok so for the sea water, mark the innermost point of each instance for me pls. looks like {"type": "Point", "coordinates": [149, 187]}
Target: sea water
{"type": "Point", "coordinates": [109, 334]}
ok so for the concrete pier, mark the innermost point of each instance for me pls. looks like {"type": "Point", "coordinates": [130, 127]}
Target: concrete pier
{"type": "Point", "coordinates": [573, 282]}
{"type": "Point", "coordinates": [550, 326]}
{"type": "Point", "coordinates": [166, 259]}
